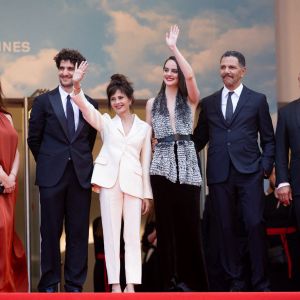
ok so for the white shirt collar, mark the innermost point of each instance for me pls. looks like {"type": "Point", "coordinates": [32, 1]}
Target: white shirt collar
{"type": "Point", "coordinates": [237, 91]}
{"type": "Point", "coordinates": [63, 93]}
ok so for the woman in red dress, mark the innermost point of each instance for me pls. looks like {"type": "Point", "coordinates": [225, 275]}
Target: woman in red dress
{"type": "Point", "coordinates": [13, 271]}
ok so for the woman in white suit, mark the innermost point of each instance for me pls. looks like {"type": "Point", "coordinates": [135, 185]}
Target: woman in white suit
{"type": "Point", "coordinates": [121, 175]}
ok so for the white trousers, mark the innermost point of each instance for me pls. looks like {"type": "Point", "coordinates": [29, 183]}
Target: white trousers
{"type": "Point", "coordinates": [115, 204]}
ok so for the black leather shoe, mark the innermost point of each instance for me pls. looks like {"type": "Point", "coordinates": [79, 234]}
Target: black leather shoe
{"type": "Point", "coordinates": [180, 287]}
{"type": "Point", "coordinates": [69, 289]}
{"type": "Point", "coordinates": [50, 289]}
{"type": "Point", "coordinates": [237, 287]}
{"type": "Point", "coordinates": [172, 286]}
{"type": "Point", "coordinates": [264, 290]}
{"type": "Point", "coordinates": [74, 291]}
{"type": "Point", "coordinates": [183, 287]}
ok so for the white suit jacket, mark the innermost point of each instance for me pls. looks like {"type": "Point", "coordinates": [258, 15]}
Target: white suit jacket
{"type": "Point", "coordinates": [127, 156]}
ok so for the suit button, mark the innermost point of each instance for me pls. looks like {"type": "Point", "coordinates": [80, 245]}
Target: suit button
{"type": "Point", "coordinates": [228, 130]}
{"type": "Point", "coordinates": [228, 144]}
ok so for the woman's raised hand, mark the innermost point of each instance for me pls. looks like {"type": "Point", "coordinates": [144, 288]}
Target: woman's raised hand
{"type": "Point", "coordinates": [171, 36]}
{"type": "Point", "coordinates": [79, 71]}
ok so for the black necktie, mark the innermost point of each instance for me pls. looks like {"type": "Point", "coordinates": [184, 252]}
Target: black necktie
{"type": "Point", "coordinates": [70, 117]}
{"type": "Point", "coordinates": [229, 108]}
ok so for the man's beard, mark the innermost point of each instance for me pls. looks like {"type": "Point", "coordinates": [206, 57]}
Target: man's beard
{"type": "Point", "coordinates": [69, 85]}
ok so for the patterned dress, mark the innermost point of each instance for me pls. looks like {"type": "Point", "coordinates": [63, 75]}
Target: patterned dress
{"type": "Point", "coordinates": [185, 169]}
{"type": "Point", "coordinates": [176, 180]}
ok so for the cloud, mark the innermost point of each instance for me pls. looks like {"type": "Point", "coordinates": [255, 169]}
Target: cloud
{"type": "Point", "coordinates": [134, 45]}
{"type": "Point", "coordinates": [153, 73]}
{"type": "Point", "coordinates": [202, 31]}
{"type": "Point", "coordinates": [143, 94]}
{"type": "Point", "coordinates": [138, 39]}
{"type": "Point", "coordinates": [22, 76]}
{"type": "Point", "coordinates": [131, 41]}
{"type": "Point", "coordinates": [251, 41]}
{"type": "Point", "coordinates": [99, 91]}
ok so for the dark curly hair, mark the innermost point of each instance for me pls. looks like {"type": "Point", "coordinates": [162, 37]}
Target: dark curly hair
{"type": "Point", "coordinates": [68, 54]}
{"type": "Point", "coordinates": [121, 83]}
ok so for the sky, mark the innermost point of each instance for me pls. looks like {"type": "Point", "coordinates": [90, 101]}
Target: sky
{"type": "Point", "coordinates": [128, 36]}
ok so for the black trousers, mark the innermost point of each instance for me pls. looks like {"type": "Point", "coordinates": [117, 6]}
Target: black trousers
{"type": "Point", "coordinates": [238, 205]}
{"type": "Point", "coordinates": [179, 246]}
{"type": "Point", "coordinates": [66, 203]}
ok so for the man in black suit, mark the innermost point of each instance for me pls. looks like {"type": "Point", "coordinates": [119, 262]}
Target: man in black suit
{"type": "Point", "coordinates": [61, 142]}
{"type": "Point", "coordinates": [231, 120]}
{"type": "Point", "coordinates": [288, 155]}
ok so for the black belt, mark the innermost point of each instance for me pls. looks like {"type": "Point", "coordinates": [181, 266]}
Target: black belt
{"type": "Point", "coordinates": [175, 137]}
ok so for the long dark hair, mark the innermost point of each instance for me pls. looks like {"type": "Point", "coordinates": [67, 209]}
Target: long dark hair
{"type": "Point", "coordinates": [2, 107]}
{"type": "Point", "coordinates": [181, 80]}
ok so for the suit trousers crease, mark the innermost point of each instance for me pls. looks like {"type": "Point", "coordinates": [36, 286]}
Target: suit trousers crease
{"type": "Point", "coordinates": [116, 205]}
{"type": "Point", "coordinates": [179, 245]}
{"type": "Point", "coordinates": [238, 204]}
{"type": "Point", "coordinates": [66, 203]}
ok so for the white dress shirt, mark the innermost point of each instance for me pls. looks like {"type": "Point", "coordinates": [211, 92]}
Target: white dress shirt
{"type": "Point", "coordinates": [63, 96]}
{"type": "Point", "coordinates": [234, 97]}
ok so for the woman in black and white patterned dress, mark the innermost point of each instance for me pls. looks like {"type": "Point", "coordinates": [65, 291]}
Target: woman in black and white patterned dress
{"type": "Point", "coordinates": [175, 174]}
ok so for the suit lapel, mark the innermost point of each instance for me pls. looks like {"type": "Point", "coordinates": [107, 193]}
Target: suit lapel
{"type": "Point", "coordinates": [81, 123]}
{"type": "Point", "coordinates": [118, 124]}
{"type": "Point", "coordinates": [135, 126]}
{"type": "Point", "coordinates": [79, 127]}
{"type": "Point", "coordinates": [56, 104]}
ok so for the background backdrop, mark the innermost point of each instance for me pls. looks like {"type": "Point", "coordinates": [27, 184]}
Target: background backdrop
{"type": "Point", "coordinates": [128, 36]}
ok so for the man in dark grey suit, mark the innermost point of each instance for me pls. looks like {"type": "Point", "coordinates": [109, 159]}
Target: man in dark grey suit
{"type": "Point", "coordinates": [288, 155]}
{"type": "Point", "coordinates": [231, 121]}
{"type": "Point", "coordinates": [61, 142]}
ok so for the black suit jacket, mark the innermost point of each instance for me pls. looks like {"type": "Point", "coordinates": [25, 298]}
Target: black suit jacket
{"type": "Point", "coordinates": [236, 141]}
{"type": "Point", "coordinates": [50, 145]}
{"type": "Point", "coordinates": [288, 146]}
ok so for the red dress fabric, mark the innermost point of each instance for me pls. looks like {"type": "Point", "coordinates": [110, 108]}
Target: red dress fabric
{"type": "Point", "coordinates": [13, 270]}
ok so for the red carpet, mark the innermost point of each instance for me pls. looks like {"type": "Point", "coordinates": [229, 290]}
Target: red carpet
{"type": "Point", "coordinates": [153, 296]}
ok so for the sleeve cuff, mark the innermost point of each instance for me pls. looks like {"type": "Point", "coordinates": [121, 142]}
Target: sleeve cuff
{"type": "Point", "coordinates": [283, 184]}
